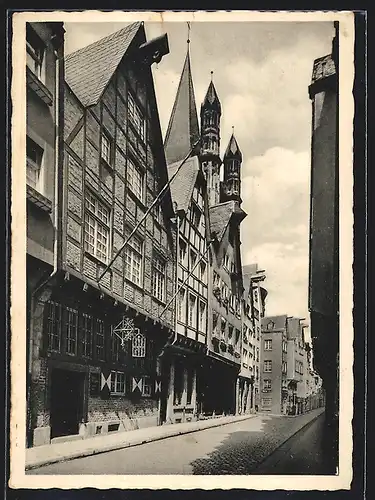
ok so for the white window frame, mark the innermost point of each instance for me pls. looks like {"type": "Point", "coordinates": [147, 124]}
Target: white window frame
{"type": "Point", "coordinates": [268, 345]}
{"type": "Point", "coordinates": [136, 117]}
{"type": "Point", "coordinates": [135, 179]}
{"type": "Point", "coordinates": [106, 147]}
{"type": "Point", "coordinates": [87, 334]}
{"type": "Point", "coordinates": [97, 224]}
{"type": "Point", "coordinates": [139, 345]}
{"type": "Point", "coordinates": [193, 263]}
{"type": "Point", "coordinates": [202, 316]}
{"type": "Point", "coordinates": [54, 325]}
{"type": "Point", "coordinates": [116, 384]}
{"type": "Point", "coordinates": [158, 278]}
{"type": "Point", "coordinates": [267, 384]}
{"type": "Point", "coordinates": [133, 255]}
{"type": "Point", "coordinates": [181, 314]}
{"type": "Point", "coordinates": [192, 311]}
{"type": "Point", "coordinates": [267, 366]}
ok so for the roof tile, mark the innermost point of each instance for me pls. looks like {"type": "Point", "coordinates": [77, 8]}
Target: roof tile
{"type": "Point", "coordinates": [89, 70]}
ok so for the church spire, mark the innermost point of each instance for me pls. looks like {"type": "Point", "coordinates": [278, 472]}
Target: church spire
{"type": "Point", "coordinates": [232, 171]}
{"type": "Point", "coordinates": [183, 127]}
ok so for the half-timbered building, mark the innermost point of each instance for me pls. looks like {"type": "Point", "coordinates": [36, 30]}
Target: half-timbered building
{"type": "Point", "coordinates": [103, 329]}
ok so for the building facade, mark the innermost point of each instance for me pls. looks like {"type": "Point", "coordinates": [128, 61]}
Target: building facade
{"type": "Point", "coordinates": [44, 165]}
{"type": "Point", "coordinates": [209, 238]}
{"type": "Point", "coordinates": [252, 313]}
{"type": "Point", "coordinates": [324, 232]}
{"type": "Point", "coordinates": [273, 377]}
{"type": "Point", "coordinates": [101, 326]}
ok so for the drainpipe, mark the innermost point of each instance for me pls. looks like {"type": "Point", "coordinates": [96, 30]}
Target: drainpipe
{"type": "Point", "coordinates": [57, 201]}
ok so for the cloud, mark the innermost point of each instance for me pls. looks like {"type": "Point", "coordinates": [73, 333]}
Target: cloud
{"type": "Point", "coordinates": [274, 234]}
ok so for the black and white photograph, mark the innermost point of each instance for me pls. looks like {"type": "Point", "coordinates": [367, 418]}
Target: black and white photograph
{"type": "Point", "coordinates": [181, 248]}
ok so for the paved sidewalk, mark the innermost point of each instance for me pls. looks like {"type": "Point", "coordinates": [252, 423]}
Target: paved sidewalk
{"type": "Point", "coordinates": [58, 452]}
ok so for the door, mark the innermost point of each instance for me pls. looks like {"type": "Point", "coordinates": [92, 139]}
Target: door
{"type": "Point", "coordinates": [66, 402]}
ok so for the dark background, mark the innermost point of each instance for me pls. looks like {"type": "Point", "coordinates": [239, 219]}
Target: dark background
{"type": "Point", "coordinates": [362, 342]}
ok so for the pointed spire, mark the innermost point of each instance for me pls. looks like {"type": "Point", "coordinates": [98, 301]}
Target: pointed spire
{"type": "Point", "coordinates": [211, 100]}
{"type": "Point", "coordinates": [183, 127]}
{"type": "Point", "coordinates": [233, 150]}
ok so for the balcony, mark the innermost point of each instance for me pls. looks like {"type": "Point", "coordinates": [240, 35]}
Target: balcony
{"type": "Point", "coordinates": [37, 199]}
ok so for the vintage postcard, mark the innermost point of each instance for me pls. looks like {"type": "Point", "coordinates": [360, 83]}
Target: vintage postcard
{"type": "Point", "coordinates": [182, 232]}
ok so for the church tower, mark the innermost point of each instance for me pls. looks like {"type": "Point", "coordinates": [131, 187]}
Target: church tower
{"type": "Point", "coordinates": [231, 186]}
{"type": "Point", "coordinates": [210, 146]}
{"type": "Point", "coordinates": [183, 128]}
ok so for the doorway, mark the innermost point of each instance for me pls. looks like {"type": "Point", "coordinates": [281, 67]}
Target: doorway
{"type": "Point", "coordinates": [66, 402]}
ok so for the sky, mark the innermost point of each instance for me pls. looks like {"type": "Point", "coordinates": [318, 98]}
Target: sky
{"type": "Point", "coordinates": [261, 71]}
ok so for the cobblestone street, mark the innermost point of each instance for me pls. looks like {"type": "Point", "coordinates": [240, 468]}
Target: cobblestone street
{"type": "Point", "coordinates": [236, 448]}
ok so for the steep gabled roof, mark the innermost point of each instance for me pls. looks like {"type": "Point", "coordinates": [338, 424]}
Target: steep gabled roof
{"type": "Point", "coordinates": [220, 216]}
{"type": "Point", "coordinates": [183, 127]}
{"type": "Point", "coordinates": [183, 184]}
{"type": "Point", "coordinates": [89, 70]}
{"type": "Point", "coordinates": [250, 269]}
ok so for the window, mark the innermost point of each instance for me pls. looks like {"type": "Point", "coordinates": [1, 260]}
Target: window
{"type": "Point", "coordinates": [193, 259]}
{"type": "Point", "coordinates": [202, 316]}
{"type": "Point", "coordinates": [158, 278]}
{"type": "Point", "coordinates": [71, 333]}
{"type": "Point", "coordinates": [136, 117]}
{"type": "Point", "coordinates": [257, 373]}
{"type": "Point", "coordinates": [202, 269]}
{"type": "Point", "coordinates": [106, 148]}
{"type": "Point", "coordinates": [96, 228]}
{"type": "Point", "coordinates": [181, 305]}
{"type": "Point", "coordinates": [54, 326]}
{"type": "Point", "coordinates": [245, 357]}
{"type": "Point", "coordinates": [86, 335]}
{"type": "Point", "coordinates": [195, 215]}
{"type": "Point", "coordinates": [267, 385]}
{"type": "Point", "coordinates": [178, 383]}
{"type": "Point", "coordinates": [133, 259]}
{"type": "Point", "coordinates": [284, 367]}
{"type": "Point", "coordinates": [230, 334]}
{"type": "Point", "coordinates": [216, 279]}
{"type": "Point", "coordinates": [35, 50]}
{"type": "Point", "coordinates": [139, 346]}
{"type": "Point", "coordinates": [146, 386]}
{"type": "Point", "coordinates": [267, 367]}
{"type": "Point", "coordinates": [257, 358]}
{"type": "Point", "coordinates": [34, 155]}
{"type": "Point", "coordinates": [192, 310]}
{"type": "Point", "coordinates": [182, 252]}
{"type": "Point", "coordinates": [268, 345]}
{"type": "Point", "coordinates": [266, 402]}
{"type": "Point", "coordinates": [117, 382]}
{"type": "Point", "coordinates": [99, 339]}
{"type": "Point", "coordinates": [258, 332]}
{"type": "Point", "coordinates": [135, 179]}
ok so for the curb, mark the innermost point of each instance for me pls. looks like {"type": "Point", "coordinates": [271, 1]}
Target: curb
{"type": "Point", "coordinates": [114, 447]}
{"type": "Point", "coordinates": [287, 439]}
